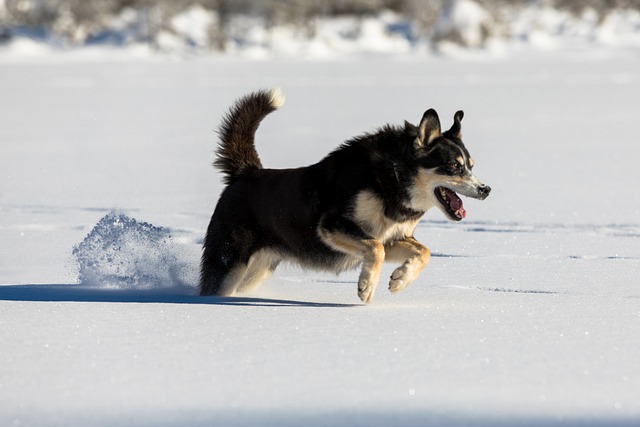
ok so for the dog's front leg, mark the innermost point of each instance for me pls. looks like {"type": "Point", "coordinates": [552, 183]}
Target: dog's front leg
{"type": "Point", "coordinates": [373, 258]}
{"type": "Point", "coordinates": [346, 237]}
{"type": "Point", "coordinates": [414, 256]}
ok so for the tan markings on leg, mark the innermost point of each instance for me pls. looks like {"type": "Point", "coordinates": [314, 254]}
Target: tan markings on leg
{"type": "Point", "coordinates": [258, 269]}
{"type": "Point", "coordinates": [370, 251]}
{"type": "Point", "coordinates": [415, 257]}
{"type": "Point", "coordinates": [370, 274]}
{"type": "Point", "coordinates": [232, 280]}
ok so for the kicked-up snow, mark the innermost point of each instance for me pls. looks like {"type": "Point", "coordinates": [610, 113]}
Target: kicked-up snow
{"type": "Point", "coordinates": [123, 253]}
{"type": "Point", "coordinates": [527, 314]}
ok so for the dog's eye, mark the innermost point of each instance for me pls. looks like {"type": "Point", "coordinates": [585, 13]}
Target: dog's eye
{"type": "Point", "coordinates": [455, 166]}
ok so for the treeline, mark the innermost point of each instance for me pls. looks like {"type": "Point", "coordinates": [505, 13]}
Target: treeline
{"type": "Point", "coordinates": [77, 22]}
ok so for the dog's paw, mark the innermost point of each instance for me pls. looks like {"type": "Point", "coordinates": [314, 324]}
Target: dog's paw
{"type": "Point", "coordinates": [397, 284]}
{"type": "Point", "coordinates": [365, 292]}
{"type": "Point", "coordinates": [368, 282]}
{"type": "Point", "coordinates": [403, 275]}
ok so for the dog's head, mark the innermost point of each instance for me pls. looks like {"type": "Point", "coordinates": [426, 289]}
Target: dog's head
{"type": "Point", "coordinates": [444, 167]}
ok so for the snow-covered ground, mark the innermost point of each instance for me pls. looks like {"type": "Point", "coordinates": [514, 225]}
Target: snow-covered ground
{"type": "Point", "coordinates": [449, 27]}
{"type": "Point", "coordinates": [528, 313]}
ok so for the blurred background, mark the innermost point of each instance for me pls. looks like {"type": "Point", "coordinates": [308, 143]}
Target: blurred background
{"type": "Point", "coordinates": [316, 29]}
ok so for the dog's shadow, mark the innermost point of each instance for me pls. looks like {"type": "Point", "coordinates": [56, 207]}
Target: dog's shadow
{"type": "Point", "coordinates": [180, 295]}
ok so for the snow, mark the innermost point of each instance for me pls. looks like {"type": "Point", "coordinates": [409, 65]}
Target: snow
{"type": "Point", "coordinates": [123, 253]}
{"type": "Point", "coordinates": [190, 28]}
{"type": "Point", "coordinates": [460, 25]}
{"type": "Point", "coordinates": [467, 18]}
{"type": "Point", "coordinates": [528, 313]}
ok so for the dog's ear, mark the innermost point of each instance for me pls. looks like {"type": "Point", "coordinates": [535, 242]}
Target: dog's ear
{"type": "Point", "coordinates": [455, 130]}
{"type": "Point", "coordinates": [429, 128]}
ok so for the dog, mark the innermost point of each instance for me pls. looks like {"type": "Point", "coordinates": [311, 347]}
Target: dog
{"type": "Point", "coordinates": [358, 206]}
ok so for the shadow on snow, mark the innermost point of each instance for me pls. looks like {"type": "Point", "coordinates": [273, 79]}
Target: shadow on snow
{"type": "Point", "coordinates": [176, 295]}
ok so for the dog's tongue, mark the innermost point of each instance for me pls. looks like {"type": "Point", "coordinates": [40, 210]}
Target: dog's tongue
{"type": "Point", "coordinates": [455, 203]}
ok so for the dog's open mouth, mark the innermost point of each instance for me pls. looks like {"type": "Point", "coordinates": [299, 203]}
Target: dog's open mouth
{"type": "Point", "coordinates": [451, 202]}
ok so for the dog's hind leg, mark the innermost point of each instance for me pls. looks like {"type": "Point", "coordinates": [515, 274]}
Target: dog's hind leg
{"type": "Point", "coordinates": [415, 257]}
{"type": "Point", "coordinates": [225, 260]}
{"type": "Point", "coordinates": [261, 264]}
{"type": "Point", "coordinates": [228, 249]}
{"type": "Point", "coordinates": [346, 237]}
{"type": "Point", "coordinates": [220, 277]}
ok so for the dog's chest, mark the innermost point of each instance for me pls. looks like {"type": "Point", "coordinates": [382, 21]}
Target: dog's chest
{"type": "Point", "coordinates": [368, 213]}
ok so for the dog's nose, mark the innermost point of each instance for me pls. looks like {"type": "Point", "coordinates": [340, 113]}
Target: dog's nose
{"type": "Point", "coordinates": [484, 191]}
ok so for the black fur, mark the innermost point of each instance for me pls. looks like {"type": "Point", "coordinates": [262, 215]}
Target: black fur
{"type": "Point", "coordinates": [281, 211]}
{"type": "Point", "coordinates": [237, 152]}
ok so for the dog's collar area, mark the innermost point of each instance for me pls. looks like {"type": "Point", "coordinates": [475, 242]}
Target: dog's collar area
{"type": "Point", "coordinates": [406, 213]}
{"type": "Point", "coordinates": [395, 172]}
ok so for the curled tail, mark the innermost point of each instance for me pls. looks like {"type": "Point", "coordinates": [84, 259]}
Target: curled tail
{"type": "Point", "coordinates": [237, 152]}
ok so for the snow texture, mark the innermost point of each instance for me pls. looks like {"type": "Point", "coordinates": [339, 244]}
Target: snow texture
{"type": "Point", "coordinates": [121, 252]}
{"type": "Point", "coordinates": [527, 314]}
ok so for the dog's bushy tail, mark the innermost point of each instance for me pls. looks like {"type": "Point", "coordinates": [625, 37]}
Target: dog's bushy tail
{"type": "Point", "coordinates": [237, 152]}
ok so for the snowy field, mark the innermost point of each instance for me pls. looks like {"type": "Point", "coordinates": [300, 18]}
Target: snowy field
{"type": "Point", "coordinates": [528, 313]}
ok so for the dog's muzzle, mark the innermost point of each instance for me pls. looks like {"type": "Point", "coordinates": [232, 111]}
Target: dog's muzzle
{"type": "Point", "coordinates": [483, 191]}
{"type": "Point", "coordinates": [474, 188]}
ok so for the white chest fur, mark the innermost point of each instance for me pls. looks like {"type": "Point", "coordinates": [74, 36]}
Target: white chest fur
{"type": "Point", "coordinates": [369, 215]}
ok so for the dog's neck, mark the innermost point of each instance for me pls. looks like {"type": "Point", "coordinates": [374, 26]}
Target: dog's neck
{"type": "Point", "coordinates": [408, 214]}
{"type": "Point", "coordinates": [404, 212]}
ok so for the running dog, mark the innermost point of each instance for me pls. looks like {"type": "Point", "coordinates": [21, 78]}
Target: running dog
{"type": "Point", "coordinates": [358, 206]}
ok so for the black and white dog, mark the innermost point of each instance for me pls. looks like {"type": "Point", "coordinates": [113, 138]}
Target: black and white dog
{"type": "Point", "coordinates": [358, 205]}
